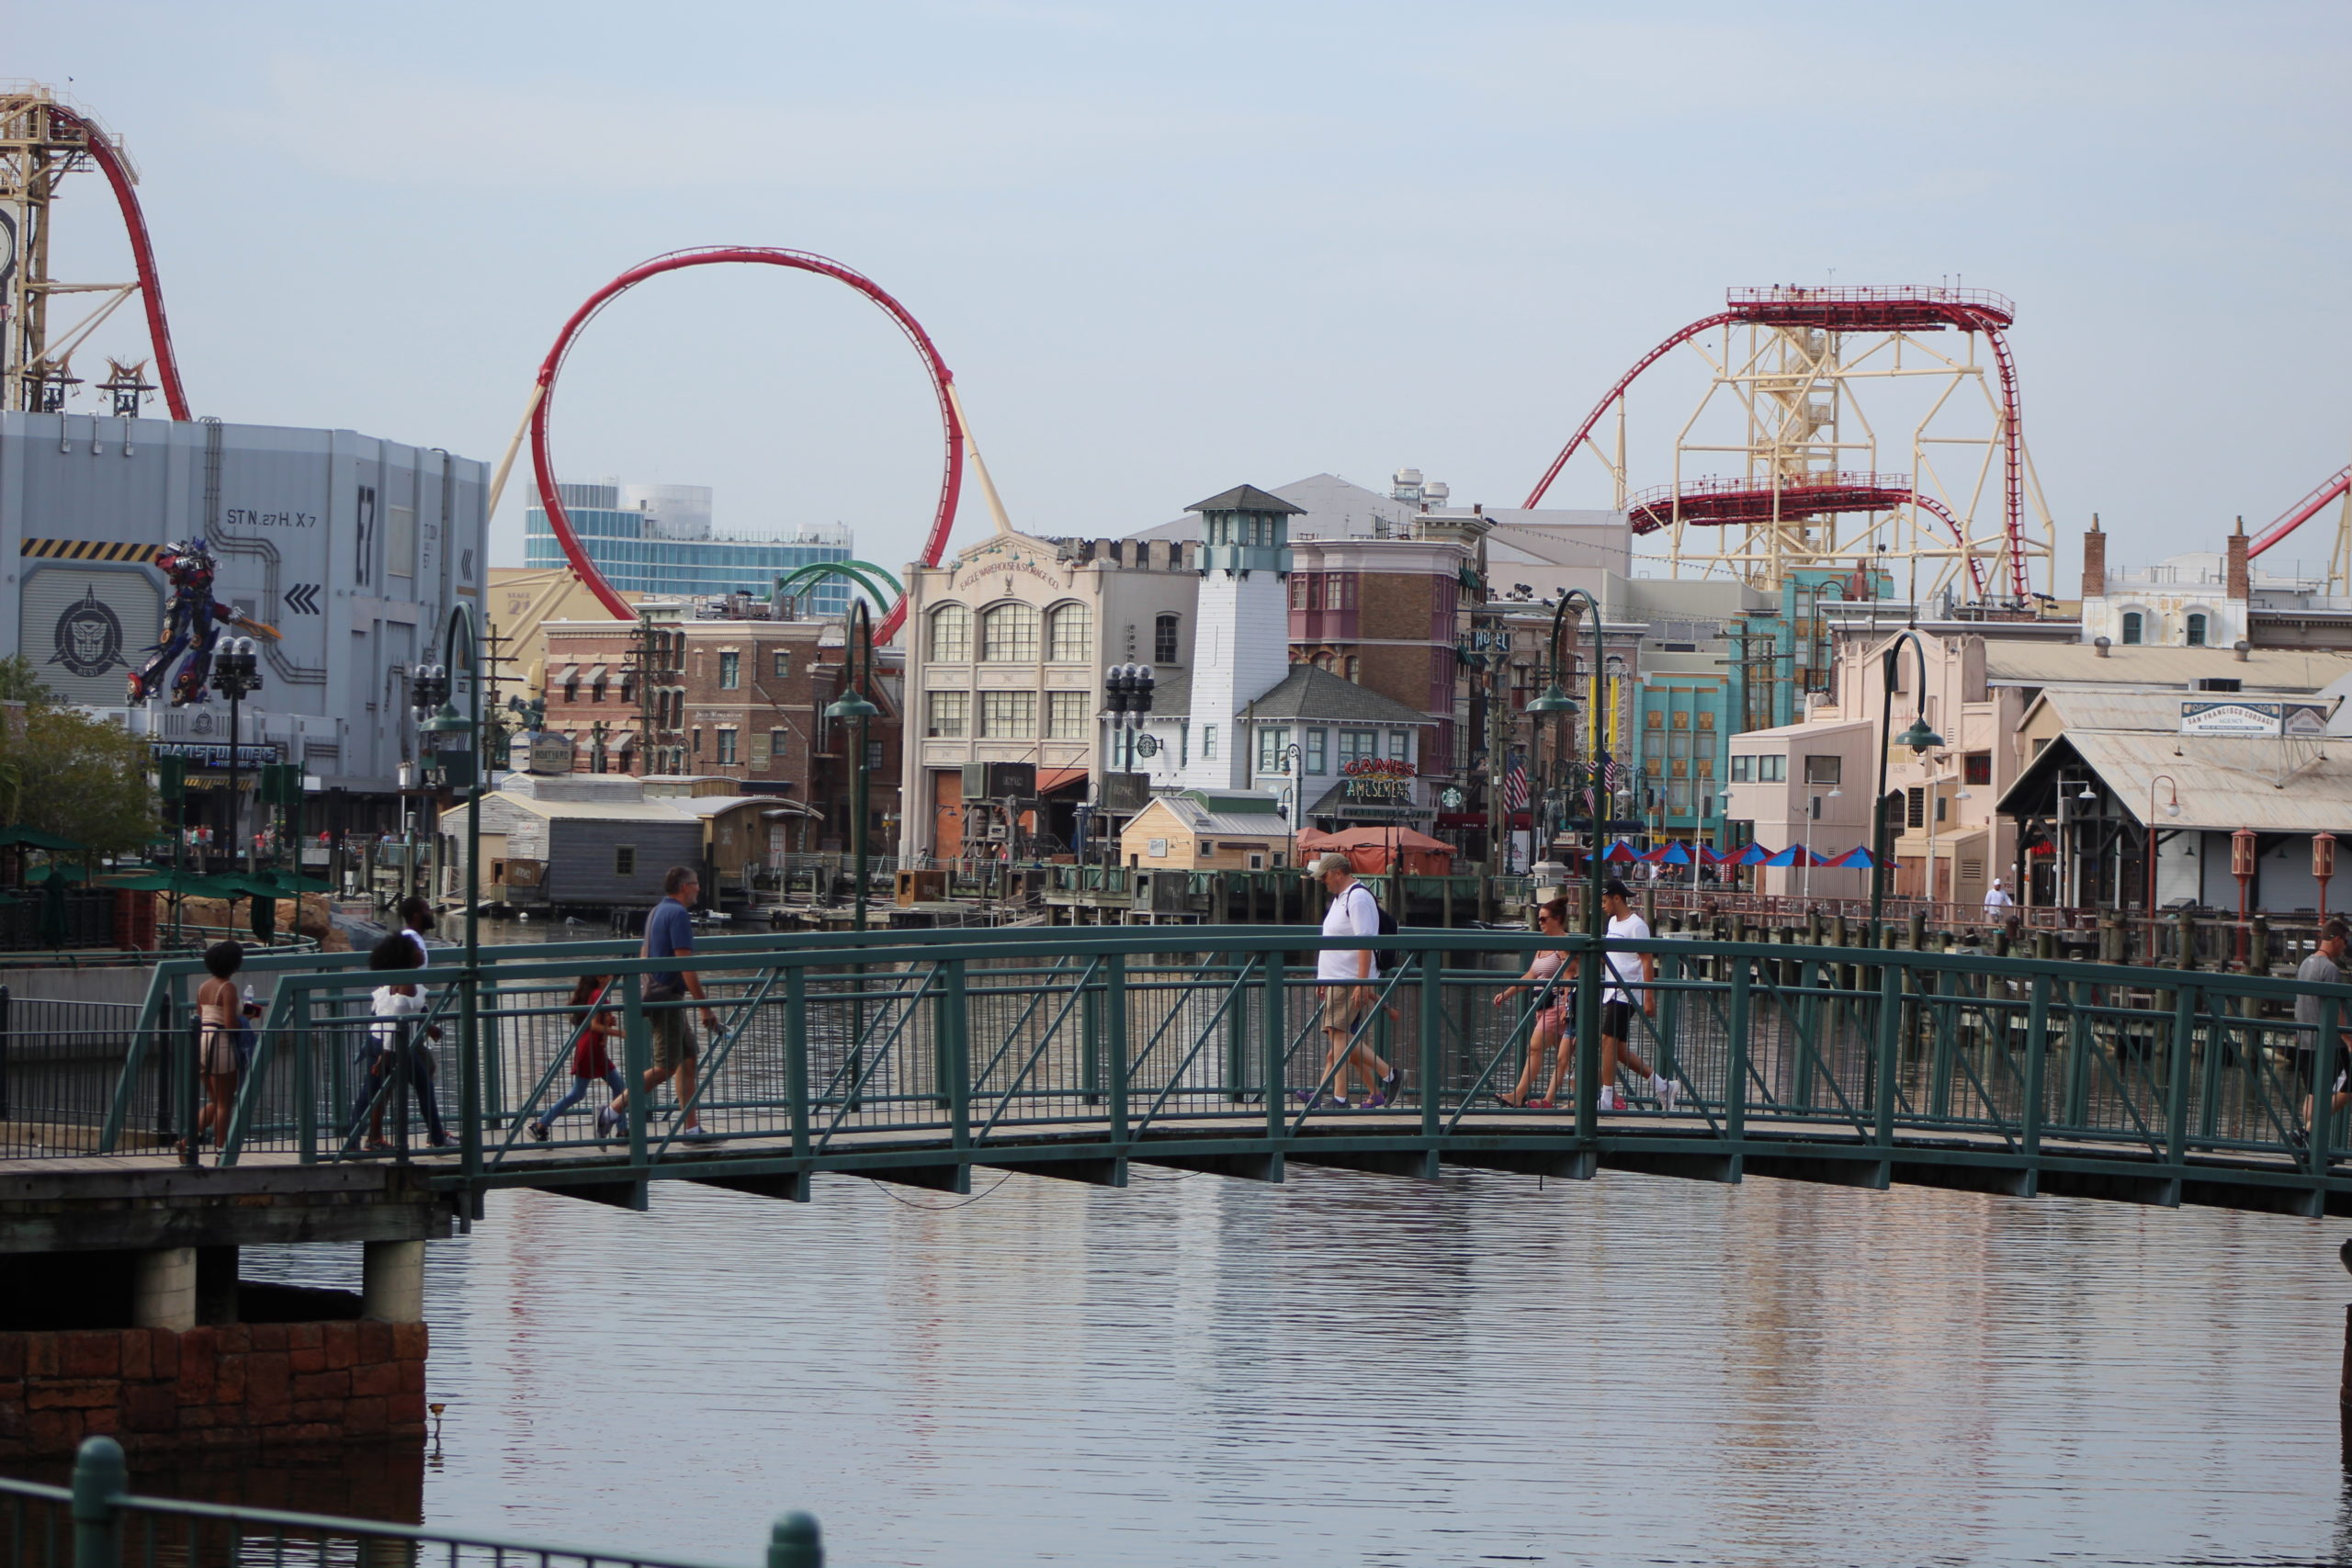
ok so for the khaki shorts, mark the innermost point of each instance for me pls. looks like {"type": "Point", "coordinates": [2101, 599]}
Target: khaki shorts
{"type": "Point", "coordinates": [674, 1037]}
{"type": "Point", "coordinates": [1344, 1004]}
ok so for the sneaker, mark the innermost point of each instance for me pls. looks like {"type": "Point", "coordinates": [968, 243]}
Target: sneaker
{"type": "Point", "coordinates": [608, 1126]}
{"type": "Point", "coordinates": [1666, 1090]}
{"type": "Point", "coordinates": [698, 1135]}
{"type": "Point", "coordinates": [1393, 1084]}
{"type": "Point", "coordinates": [1306, 1097]}
{"type": "Point", "coordinates": [2301, 1140]}
{"type": "Point", "coordinates": [1600, 1102]}
{"type": "Point", "coordinates": [539, 1132]}
{"type": "Point", "coordinates": [1373, 1102]}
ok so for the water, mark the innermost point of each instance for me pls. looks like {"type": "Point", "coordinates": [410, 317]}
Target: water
{"type": "Point", "coordinates": [1349, 1370]}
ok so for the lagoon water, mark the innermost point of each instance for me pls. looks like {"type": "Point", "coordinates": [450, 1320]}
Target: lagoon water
{"type": "Point", "coordinates": [1347, 1370]}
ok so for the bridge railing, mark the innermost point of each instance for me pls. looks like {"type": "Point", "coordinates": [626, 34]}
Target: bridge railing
{"type": "Point", "coordinates": [827, 1045]}
{"type": "Point", "coordinates": [98, 1523]}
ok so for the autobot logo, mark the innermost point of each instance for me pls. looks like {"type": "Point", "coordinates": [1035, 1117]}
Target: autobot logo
{"type": "Point", "coordinates": [89, 638]}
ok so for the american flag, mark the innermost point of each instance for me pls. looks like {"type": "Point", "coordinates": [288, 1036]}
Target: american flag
{"type": "Point", "coordinates": [1515, 783]}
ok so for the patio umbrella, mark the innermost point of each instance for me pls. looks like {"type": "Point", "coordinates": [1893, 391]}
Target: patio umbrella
{"type": "Point", "coordinates": [1855, 858]}
{"type": "Point", "coordinates": [287, 884]}
{"type": "Point", "coordinates": [1795, 855]}
{"type": "Point", "coordinates": [1621, 851]}
{"type": "Point", "coordinates": [17, 834]}
{"type": "Point", "coordinates": [1672, 854]}
{"type": "Point", "coordinates": [1754, 854]}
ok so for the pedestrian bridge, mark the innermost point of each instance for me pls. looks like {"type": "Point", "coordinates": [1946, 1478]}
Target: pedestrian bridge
{"type": "Point", "coordinates": [913, 1057]}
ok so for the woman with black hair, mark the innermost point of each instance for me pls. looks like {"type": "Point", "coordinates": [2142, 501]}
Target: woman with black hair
{"type": "Point", "coordinates": [394, 1038]}
{"type": "Point", "coordinates": [220, 1017]}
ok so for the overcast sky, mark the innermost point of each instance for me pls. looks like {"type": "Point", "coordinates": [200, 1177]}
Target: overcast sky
{"type": "Point", "coordinates": [1168, 248]}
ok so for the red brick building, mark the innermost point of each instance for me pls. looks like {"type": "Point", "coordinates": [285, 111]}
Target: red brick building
{"type": "Point", "coordinates": [1386, 614]}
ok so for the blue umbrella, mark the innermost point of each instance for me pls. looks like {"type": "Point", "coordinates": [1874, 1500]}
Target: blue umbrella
{"type": "Point", "coordinates": [1754, 854]}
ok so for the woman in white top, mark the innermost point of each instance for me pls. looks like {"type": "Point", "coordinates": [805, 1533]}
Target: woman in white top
{"type": "Point", "coordinates": [1550, 976]}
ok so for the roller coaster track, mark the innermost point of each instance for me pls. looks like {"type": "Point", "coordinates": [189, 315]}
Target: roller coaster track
{"type": "Point", "coordinates": [109, 161]}
{"type": "Point", "coordinates": [2302, 510]}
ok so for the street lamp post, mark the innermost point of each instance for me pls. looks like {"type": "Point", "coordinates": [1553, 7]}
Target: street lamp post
{"type": "Point", "coordinates": [1919, 737]}
{"type": "Point", "coordinates": [1556, 701]}
{"type": "Point", "coordinates": [2172, 809]}
{"type": "Point", "coordinates": [236, 676]}
{"type": "Point", "coordinates": [853, 709]}
{"type": "Point", "coordinates": [456, 757]}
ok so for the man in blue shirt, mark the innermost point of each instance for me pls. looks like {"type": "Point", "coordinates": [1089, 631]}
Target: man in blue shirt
{"type": "Point", "coordinates": [670, 934]}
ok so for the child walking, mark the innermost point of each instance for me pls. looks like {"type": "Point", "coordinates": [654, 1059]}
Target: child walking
{"type": "Point", "coordinates": [590, 1053]}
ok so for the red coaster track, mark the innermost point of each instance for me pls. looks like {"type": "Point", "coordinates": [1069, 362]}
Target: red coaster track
{"type": "Point", "coordinates": [1910, 310]}
{"type": "Point", "coordinates": [951, 481]}
{"type": "Point", "coordinates": [2302, 510]}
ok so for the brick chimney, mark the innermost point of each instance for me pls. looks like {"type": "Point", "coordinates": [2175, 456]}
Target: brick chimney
{"type": "Point", "coordinates": [2095, 562]}
{"type": "Point", "coordinates": [2241, 577]}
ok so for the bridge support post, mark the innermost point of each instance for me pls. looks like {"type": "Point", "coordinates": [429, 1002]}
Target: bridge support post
{"type": "Point", "coordinates": [2037, 1054]}
{"type": "Point", "coordinates": [391, 1288]}
{"type": "Point", "coordinates": [163, 1289]}
{"type": "Point", "coordinates": [1890, 1056]}
{"type": "Point", "coordinates": [1736, 1070]}
{"type": "Point", "coordinates": [1431, 1026]}
{"type": "Point", "coordinates": [1277, 1032]}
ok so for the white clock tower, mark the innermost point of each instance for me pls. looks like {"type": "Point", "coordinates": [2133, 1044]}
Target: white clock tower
{"type": "Point", "coordinates": [1242, 638]}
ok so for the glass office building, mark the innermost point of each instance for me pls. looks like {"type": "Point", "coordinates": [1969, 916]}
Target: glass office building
{"type": "Point", "coordinates": [657, 539]}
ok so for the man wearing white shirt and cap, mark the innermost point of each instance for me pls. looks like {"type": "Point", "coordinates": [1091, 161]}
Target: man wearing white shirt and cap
{"type": "Point", "coordinates": [1998, 896]}
{"type": "Point", "coordinates": [1345, 976]}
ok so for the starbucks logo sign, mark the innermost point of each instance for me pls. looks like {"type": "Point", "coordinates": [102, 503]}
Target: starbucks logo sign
{"type": "Point", "coordinates": [90, 636]}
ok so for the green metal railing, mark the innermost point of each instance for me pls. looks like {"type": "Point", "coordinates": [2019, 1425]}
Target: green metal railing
{"type": "Point", "coordinates": [893, 1051]}
{"type": "Point", "coordinates": [98, 1523]}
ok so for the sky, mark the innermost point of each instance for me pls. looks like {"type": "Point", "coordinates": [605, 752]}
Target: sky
{"type": "Point", "coordinates": [1165, 248]}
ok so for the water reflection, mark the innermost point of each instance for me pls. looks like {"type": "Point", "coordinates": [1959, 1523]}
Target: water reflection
{"type": "Point", "coordinates": [1349, 1370]}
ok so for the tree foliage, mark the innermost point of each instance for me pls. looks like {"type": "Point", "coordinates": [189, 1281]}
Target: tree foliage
{"type": "Point", "coordinates": [63, 771]}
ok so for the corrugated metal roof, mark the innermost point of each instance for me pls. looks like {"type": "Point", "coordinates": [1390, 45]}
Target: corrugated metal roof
{"type": "Point", "coordinates": [2225, 784]}
{"type": "Point", "coordinates": [2101, 707]}
{"type": "Point", "coordinates": [1246, 498]}
{"type": "Point", "coordinates": [1201, 821]}
{"type": "Point", "coordinates": [2013, 664]}
{"type": "Point", "coordinates": [615, 811]}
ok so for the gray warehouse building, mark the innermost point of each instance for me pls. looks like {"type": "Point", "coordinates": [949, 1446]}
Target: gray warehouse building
{"type": "Point", "coordinates": [353, 547]}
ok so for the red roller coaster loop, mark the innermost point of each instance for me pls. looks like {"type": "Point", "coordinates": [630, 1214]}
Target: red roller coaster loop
{"type": "Point", "coordinates": [2302, 510]}
{"type": "Point", "coordinates": [142, 254]}
{"type": "Point", "coordinates": [951, 481]}
{"type": "Point", "coordinates": [1860, 309]}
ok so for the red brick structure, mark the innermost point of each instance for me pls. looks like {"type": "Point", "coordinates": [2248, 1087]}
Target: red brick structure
{"type": "Point", "coordinates": [232, 1386]}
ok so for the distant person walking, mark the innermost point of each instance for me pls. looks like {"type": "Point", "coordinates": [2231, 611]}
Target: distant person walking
{"type": "Point", "coordinates": [2325, 967]}
{"type": "Point", "coordinates": [396, 1039]}
{"type": "Point", "coordinates": [592, 1058]}
{"type": "Point", "coordinates": [1344, 979]}
{"type": "Point", "coordinates": [1626, 973]}
{"type": "Point", "coordinates": [670, 934]}
{"type": "Point", "coordinates": [416, 924]}
{"type": "Point", "coordinates": [1556, 968]}
{"type": "Point", "coordinates": [1998, 897]}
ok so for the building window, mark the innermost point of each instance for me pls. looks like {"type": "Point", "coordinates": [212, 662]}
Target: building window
{"type": "Point", "coordinates": [1009, 714]}
{"type": "Point", "coordinates": [2133, 623]}
{"type": "Point", "coordinates": [783, 667]}
{"type": "Point", "coordinates": [1070, 633]}
{"type": "Point", "coordinates": [1400, 745]}
{"type": "Point", "coordinates": [775, 745]}
{"type": "Point", "coordinates": [624, 860]}
{"type": "Point", "coordinates": [1274, 744]}
{"type": "Point", "coordinates": [726, 747]}
{"type": "Point", "coordinates": [873, 756]}
{"type": "Point", "coordinates": [1163, 640]}
{"type": "Point", "coordinates": [1772, 769]}
{"type": "Point", "coordinates": [1914, 806]}
{"type": "Point", "coordinates": [949, 717]}
{"type": "Point", "coordinates": [1358, 746]}
{"type": "Point", "coordinates": [1352, 667]}
{"type": "Point", "coordinates": [697, 744]}
{"type": "Point", "coordinates": [731, 673]}
{"type": "Point", "coordinates": [951, 635]}
{"type": "Point", "coordinates": [1317, 750]}
{"type": "Point", "coordinates": [1066, 715]}
{"type": "Point", "coordinates": [1742, 768]}
{"type": "Point", "coordinates": [1298, 590]}
{"type": "Point", "coordinates": [1208, 743]}
{"type": "Point", "coordinates": [1824, 770]}
{"type": "Point", "coordinates": [571, 689]}
{"type": "Point", "coordinates": [2197, 631]}
{"type": "Point", "coordinates": [596, 690]}
{"type": "Point", "coordinates": [1009, 634]}
{"type": "Point", "coordinates": [1976, 768]}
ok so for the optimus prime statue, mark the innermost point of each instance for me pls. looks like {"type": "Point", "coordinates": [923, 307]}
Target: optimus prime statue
{"type": "Point", "coordinates": [192, 621]}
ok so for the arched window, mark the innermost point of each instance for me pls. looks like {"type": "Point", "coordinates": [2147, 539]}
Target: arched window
{"type": "Point", "coordinates": [2197, 630]}
{"type": "Point", "coordinates": [1163, 640]}
{"type": "Point", "coordinates": [2132, 625]}
{"type": "Point", "coordinates": [1009, 634]}
{"type": "Point", "coordinates": [1070, 633]}
{"type": "Point", "coordinates": [951, 635]}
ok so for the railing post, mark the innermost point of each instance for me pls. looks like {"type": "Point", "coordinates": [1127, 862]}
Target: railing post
{"type": "Point", "coordinates": [1941, 1021]}
{"type": "Point", "coordinates": [795, 1542]}
{"type": "Point", "coordinates": [2326, 1052]}
{"type": "Point", "coordinates": [306, 1084]}
{"type": "Point", "coordinates": [954, 1055]}
{"type": "Point", "coordinates": [637, 1056]}
{"type": "Point", "coordinates": [1809, 1010]}
{"type": "Point", "coordinates": [2078, 1035]}
{"type": "Point", "coordinates": [2184, 1024]}
{"type": "Point", "coordinates": [1272, 1040]}
{"type": "Point", "coordinates": [1592, 972]}
{"type": "Point", "coordinates": [1115, 1039]}
{"type": "Point", "coordinates": [1890, 1041]}
{"type": "Point", "coordinates": [796, 1054]}
{"type": "Point", "coordinates": [1432, 1025]}
{"type": "Point", "coordinates": [4, 1053]}
{"type": "Point", "coordinates": [1090, 1035]}
{"type": "Point", "coordinates": [2037, 1023]}
{"type": "Point", "coordinates": [99, 1481]}
{"type": "Point", "coordinates": [1237, 1025]}
{"type": "Point", "coordinates": [190, 1043]}
{"type": "Point", "coordinates": [1736, 1066]}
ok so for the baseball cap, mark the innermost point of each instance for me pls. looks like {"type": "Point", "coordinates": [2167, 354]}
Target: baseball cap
{"type": "Point", "coordinates": [1329, 863]}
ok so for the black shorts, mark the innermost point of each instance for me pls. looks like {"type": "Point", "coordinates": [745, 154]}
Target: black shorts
{"type": "Point", "coordinates": [1616, 1018]}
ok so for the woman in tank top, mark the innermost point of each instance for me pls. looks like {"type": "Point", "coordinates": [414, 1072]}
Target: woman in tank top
{"type": "Point", "coordinates": [221, 1015]}
{"type": "Point", "coordinates": [1549, 977]}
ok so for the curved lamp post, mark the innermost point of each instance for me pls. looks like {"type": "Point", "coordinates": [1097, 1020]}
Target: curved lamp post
{"type": "Point", "coordinates": [1919, 737]}
{"type": "Point", "coordinates": [1556, 701]}
{"type": "Point", "coordinates": [2172, 809]}
{"type": "Point", "coordinates": [852, 707]}
{"type": "Point", "coordinates": [456, 759]}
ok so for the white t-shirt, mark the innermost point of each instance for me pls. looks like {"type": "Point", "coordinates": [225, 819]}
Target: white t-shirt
{"type": "Point", "coordinates": [1625, 968]}
{"type": "Point", "coordinates": [391, 1006]}
{"type": "Point", "coordinates": [1998, 898]}
{"type": "Point", "coordinates": [1355, 912]}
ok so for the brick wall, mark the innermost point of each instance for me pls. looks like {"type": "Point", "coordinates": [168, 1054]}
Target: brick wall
{"type": "Point", "coordinates": [238, 1386]}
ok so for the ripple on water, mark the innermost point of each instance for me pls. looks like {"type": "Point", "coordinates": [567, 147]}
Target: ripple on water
{"type": "Point", "coordinates": [1347, 1370]}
